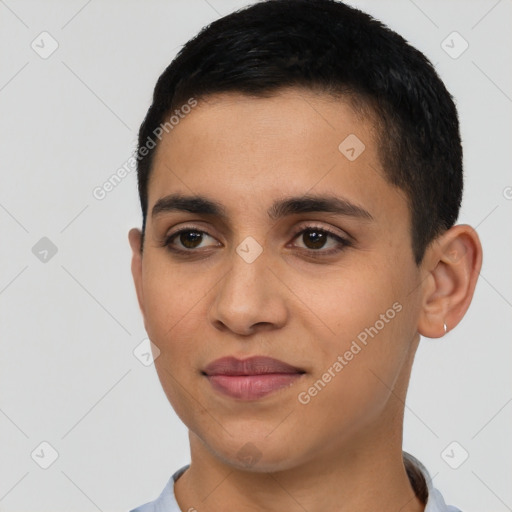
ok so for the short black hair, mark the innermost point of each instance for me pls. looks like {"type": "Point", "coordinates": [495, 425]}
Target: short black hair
{"type": "Point", "coordinates": [329, 47]}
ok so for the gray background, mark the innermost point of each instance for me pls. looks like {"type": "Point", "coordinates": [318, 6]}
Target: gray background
{"type": "Point", "coordinates": [69, 322]}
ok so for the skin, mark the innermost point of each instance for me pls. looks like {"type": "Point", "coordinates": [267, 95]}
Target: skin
{"type": "Point", "coordinates": [342, 450]}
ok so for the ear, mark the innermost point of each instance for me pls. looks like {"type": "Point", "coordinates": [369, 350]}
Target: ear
{"type": "Point", "coordinates": [452, 264]}
{"type": "Point", "coordinates": [135, 238]}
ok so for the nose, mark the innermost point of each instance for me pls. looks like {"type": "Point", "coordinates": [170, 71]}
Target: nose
{"type": "Point", "coordinates": [249, 298]}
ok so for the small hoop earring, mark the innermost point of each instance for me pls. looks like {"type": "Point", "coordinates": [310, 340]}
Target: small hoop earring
{"type": "Point", "coordinates": [445, 328]}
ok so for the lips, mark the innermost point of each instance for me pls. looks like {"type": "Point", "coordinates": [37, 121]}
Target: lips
{"type": "Point", "coordinates": [257, 365]}
{"type": "Point", "coordinates": [250, 379]}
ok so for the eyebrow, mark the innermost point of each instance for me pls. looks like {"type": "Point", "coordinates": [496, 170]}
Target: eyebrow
{"type": "Point", "coordinates": [280, 208]}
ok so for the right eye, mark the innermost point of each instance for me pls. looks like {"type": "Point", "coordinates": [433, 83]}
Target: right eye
{"type": "Point", "coordinates": [188, 238]}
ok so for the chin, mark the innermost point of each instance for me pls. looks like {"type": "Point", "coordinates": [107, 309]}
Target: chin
{"type": "Point", "coordinates": [257, 454]}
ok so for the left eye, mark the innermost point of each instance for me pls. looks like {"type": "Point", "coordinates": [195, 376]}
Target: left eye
{"type": "Point", "coordinates": [315, 238]}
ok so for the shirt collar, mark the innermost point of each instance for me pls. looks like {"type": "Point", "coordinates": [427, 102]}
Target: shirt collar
{"type": "Point", "coordinates": [435, 502]}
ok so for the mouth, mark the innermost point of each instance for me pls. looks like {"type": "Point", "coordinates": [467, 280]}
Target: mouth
{"type": "Point", "coordinates": [250, 379]}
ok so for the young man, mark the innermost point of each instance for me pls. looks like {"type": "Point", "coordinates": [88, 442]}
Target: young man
{"type": "Point", "coordinates": [300, 175]}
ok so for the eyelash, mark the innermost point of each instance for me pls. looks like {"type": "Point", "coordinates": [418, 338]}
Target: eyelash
{"type": "Point", "coordinates": [342, 242]}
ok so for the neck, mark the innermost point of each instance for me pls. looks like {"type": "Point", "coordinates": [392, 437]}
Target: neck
{"type": "Point", "coordinates": [361, 478]}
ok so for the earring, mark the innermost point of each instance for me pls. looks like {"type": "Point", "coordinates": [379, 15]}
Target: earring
{"type": "Point", "coordinates": [445, 328]}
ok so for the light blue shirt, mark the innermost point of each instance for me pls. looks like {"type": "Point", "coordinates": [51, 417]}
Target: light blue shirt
{"type": "Point", "coordinates": [166, 502]}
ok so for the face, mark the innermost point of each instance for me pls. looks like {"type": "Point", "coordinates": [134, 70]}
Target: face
{"type": "Point", "coordinates": [300, 251]}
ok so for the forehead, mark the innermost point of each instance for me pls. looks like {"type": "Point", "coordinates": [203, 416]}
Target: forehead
{"type": "Point", "coordinates": [245, 150]}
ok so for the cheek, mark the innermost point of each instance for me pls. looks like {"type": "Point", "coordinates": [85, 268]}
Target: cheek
{"type": "Point", "coordinates": [171, 298]}
{"type": "Point", "coordinates": [361, 355]}
{"type": "Point", "coordinates": [172, 303]}
{"type": "Point", "coordinates": [174, 299]}
{"type": "Point", "coordinates": [172, 306]}
{"type": "Point", "coordinates": [353, 300]}
{"type": "Point", "coordinates": [356, 383]}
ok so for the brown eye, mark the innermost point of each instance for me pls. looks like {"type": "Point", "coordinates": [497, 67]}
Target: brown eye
{"type": "Point", "coordinates": [314, 239]}
{"type": "Point", "coordinates": [186, 240]}
{"type": "Point", "coordinates": [190, 239]}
